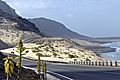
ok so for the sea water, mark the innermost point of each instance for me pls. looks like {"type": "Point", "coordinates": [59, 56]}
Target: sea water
{"type": "Point", "coordinates": [112, 55]}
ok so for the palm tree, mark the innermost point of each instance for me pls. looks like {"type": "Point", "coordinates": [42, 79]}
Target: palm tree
{"type": "Point", "coordinates": [9, 66]}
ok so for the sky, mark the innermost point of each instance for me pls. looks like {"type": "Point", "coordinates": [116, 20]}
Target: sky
{"type": "Point", "coordinates": [95, 18]}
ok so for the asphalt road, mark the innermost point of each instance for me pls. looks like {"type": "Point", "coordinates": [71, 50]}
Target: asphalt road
{"type": "Point", "coordinates": [78, 72]}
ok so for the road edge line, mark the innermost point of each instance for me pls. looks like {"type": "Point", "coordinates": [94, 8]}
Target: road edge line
{"type": "Point", "coordinates": [60, 75]}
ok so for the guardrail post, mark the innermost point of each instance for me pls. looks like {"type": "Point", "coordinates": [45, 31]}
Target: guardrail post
{"type": "Point", "coordinates": [116, 63]}
{"type": "Point", "coordinates": [95, 63]}
{"type": "Point", "coordinates": [83, 62]}
{"type": "Point", "coordinates": [110, 63]}
{"type": "Point", "coordinates": [74, 62]}
{"type": "Point", "coordinates": [102, 63]}
{"type": "Point", "coordinates": [86, 62]}
{"type": "Point", "coordinates": [106, 63]}
{"type": "Point", "coordinates": [99, 63]}
{"type": "Point", "coordinates": [92, 63]}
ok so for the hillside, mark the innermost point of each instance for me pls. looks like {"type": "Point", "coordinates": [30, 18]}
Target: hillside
{"type": "Point", "coordinates": [56, 49]}
{"type": "Point", "coordinates": [55, 29]}
{"type": "Point", "coordinates": [11, 26]}
{"type": "Point", "coordinates": [6, 8]}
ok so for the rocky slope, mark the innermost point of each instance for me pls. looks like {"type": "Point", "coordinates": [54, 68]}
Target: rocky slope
{"type": "Point", "coordinates": [6, 8]}
{"type": "Point", "coordinates": [56, 29]}
{"type": "Point", "coordinates": [11, 25]}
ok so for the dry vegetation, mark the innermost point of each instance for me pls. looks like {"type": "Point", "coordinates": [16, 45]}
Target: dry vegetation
{"type": "Point", "coordinates": [56, 50]}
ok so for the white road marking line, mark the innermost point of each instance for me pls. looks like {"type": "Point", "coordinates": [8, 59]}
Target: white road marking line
{"type": "Point", "coordinates": [34, 69]}
{"type": "Point", "coordinates": [50, 72]}
{"type": "Point", "coordinates": [61, 75]}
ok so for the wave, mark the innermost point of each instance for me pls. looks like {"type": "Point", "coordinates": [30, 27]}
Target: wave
{"type": "Point", "coordinates": [112, 55]}
{"type": "Point", "coordinates": [115, 45]}
{"type": "Point", "coordinates": [117, 49]}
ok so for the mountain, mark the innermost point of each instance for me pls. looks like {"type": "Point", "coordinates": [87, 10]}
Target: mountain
{"type": "Point", "coordinates": [55, 29]}
{"type": "Point", "coordinates": [12, 25]}
{"type": "Point", "coordinates": [6, 8]}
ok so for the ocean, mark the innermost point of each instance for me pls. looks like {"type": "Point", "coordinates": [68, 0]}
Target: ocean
{"type": "Point", "coordinates": [112, 55]}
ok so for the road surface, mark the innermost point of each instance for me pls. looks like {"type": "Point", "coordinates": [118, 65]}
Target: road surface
{"type": "Point", "coordinates": [78, 72]}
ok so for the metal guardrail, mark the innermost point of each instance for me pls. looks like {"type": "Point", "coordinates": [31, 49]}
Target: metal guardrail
{"type": "Point", "coordinates": [97, 63]}
{"type": "Point", "coordinates": [57, 62]}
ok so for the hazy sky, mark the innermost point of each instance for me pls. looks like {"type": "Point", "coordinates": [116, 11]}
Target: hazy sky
{"type": "Point", "coordinates": [88, 17]}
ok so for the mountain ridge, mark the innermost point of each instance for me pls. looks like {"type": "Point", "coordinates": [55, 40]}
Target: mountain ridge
{"type": "Point", "coordinates": [6, 8]}
{"type": "Point", "coordinates": [56, 29]}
